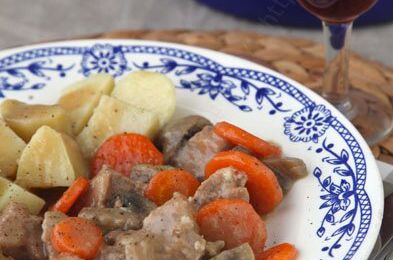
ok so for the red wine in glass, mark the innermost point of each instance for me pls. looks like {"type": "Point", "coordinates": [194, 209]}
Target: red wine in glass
{"type": "Point", "coordinates": [372, 118]}
{"type": "Point", "coordinates": [337, 11]}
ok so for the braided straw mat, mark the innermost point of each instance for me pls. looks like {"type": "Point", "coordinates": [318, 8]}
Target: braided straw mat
{"type": "Point", "coordinates": [299, 59]}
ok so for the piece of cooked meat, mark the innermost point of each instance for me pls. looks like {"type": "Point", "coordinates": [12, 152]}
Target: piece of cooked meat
{"type": "Point", "coordinates": [175, 134]}
{"type": "Point", "coordinates": [133, 201]}
{"type": "Point", "coordinates": [141, 245]}
{"type": "Point", "coordinates": [141, 175]}
{"type": "Point", "coordinates": [66, 257]}
{"type": "Point", "coordinates": [132, 244]}
{"type": "Point", "coordinates": [226, 183]}
{"type": "Point", "coordinates": [51, 218]}
{"type": "Point", "coordinates": [242, 252]}
{"type": "Point", "coordinates": [4, 257]}
{"type": "Point", "coordinates": [292, 167]}
{"type": "Point", "coordinates": [242, 149]}
{"type": "Point", "coordinates": [20, 233]}
{"type": "Point", "coordinates": [152, 248]}
{"type": "Point", "coordinates": [109, 252]}
{"type": "Point", "coordinates": [214, 248]}
{"type": "Point", "coordinates": [169, 232]}
{"type": "Point", "coordinates": [175, 223]}
{"type": "Point", "coordinates": [194, 155]}
{"type": "Point", "coordinates": [105, 186]}
{"type": "Point", "coordinates": [287, 170]}
{"type": "Point", "coordinates": [116, 218]}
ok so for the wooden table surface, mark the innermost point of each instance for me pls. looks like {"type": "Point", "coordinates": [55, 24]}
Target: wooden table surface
{"type": "Point", "coordinates": [26, 21]}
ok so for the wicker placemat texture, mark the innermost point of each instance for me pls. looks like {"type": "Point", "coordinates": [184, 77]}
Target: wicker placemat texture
{"type": "Point", "coordinates": [300, 59]}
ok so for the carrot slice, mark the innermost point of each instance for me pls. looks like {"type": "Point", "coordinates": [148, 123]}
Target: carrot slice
{"type": "Point", "coordinates": [71, 195]}
{"type": "Point", "coordinates": [77, 236]}
{"type": "Point", "coordinates": [162, 186]}
{"type": "Point", "coordinates": [123, 151]}
{"type": "Point", "coordinates": [238, 136]}
{"type": "Point", "coordinates": [265, 191]}
{"type": "Point", "coordinates": [234, 221]}
{"type": "Point", "coordinates": [283, 251]}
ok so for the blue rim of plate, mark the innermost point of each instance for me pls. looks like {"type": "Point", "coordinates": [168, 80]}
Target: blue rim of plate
{"type": "Point", "coordinates": [309, 124]}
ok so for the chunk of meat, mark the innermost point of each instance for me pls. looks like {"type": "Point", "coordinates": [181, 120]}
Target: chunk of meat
{"type": "Point", "coordinates": [226, 183]}
{"type": "Point", "coordinates": [242, 149]}
{"type": "Point", "coordinates": [174, 222]}
{"type": "Point", "coordinates": [174, 135]}
{"type": "Point", "coordinates": [132, 244]}
{"type": "Point", "coordinates": [51, 218]}
{"type": "Point", "coordinates": [116, 218]}
{"type": "Point", "coordinates": [106, 186]}
{"type": "Point", "coordinates": [66, 257]}
{"type": "Point", "coordinates": [20, 233]}
{"type": "Point", "coordinates": [194, 155]}
{"type": "Point", "coordinates": [242, 252]}
{"type": "Point", "coordinates": [4, 257]}
{"type": "Point", "coordinates": [287, 170]}
{"type": "Point", "coordinates": [109, 252]}
{"type": "Point", "coordinates": [141, 175]}
{"type": "Point", "coordinates": [141, 245]}
{"type": "Point", "coordinates": [169, 232]}
{"type": "Point", "coordinates": [214, 248]}
{"type": "Point", "coordinates": [292, 167]}
{"type": "Point", "coordinates": [152, 248]}
{"type": "Point", "coordinates": [133, 201]}
{"type": "Point", "coordinates": [123, 238]}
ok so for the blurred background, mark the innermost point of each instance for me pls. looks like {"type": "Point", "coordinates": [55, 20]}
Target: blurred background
{"type": "Point", "coordinates": [28, 21]}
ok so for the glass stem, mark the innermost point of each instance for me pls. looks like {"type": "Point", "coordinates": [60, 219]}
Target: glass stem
{"type": "Point", "coordinates": [337, 39]}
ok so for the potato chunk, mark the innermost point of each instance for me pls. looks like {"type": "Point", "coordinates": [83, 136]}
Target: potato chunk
{"type": "Point", "coordinates": [148, 90]}
{"type": "Point", "coordinates": [50, 159]}
{"type": "Point", "coordinates": [11, 147]}
{"type": "Point", "coordinates": [111, 117]}
{"type": "Point", "coordinates": [25, 119]}
{"type": "Point", "coordinates": [11, 192]}
{"type": "Point", "coordinates": [80, 99]}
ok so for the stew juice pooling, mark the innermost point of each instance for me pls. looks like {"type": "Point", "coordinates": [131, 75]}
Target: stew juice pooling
{"type": "Point", "coordinates": [337, 11]}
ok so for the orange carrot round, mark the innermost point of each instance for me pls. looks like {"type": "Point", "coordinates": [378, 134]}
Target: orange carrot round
{"type": "Point", "coordinates": [121, 152]}
{"type": "Point", "coordinates": [283, 251]}
{"type": "Point", "coordinates": [71, 195]}
{"type": "Point", "coordinates": [162, 186]}
{"type": "Point", "coordinates": [265, 191]}
{"type": "Point", "coordinates": [238, 136]}
{"type": "Point", "coordinates": [234, 221]}
{"type": "Point", "coordinates": [77, 236]}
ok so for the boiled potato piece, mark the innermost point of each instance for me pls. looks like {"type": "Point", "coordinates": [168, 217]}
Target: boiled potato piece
{"type": "Point", "coordinates": [50, 159]}
{"type": "Point", "coordinates": [11, 147]}
{"type": "Point", "coordinates": [25, 119]}
{"type": "Point", "coordinates": [80, 99]}
{"type": "Point", "coordinates": [11, 192]}
{"type": "Point", "coordinates": [148, 90]}
{"type": "Point", "coordinates": [111, 117]}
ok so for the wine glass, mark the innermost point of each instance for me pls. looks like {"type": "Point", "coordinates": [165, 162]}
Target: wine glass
{"type": "Point", "coordinates": [371, 116]}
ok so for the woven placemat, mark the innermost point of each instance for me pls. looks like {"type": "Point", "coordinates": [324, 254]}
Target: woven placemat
{"type": "Point", "coordinates": [300, 59]}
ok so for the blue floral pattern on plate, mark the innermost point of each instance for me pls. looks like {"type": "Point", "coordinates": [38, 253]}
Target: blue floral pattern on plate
{"type": "Point", "coordinates": [216, 82]}
{"type": "Point", "coordinates": [345, 204]}
{"type": "Point", "coordinates": [308, 124]}
{"type": "Point", "coordinates": [15, 78]}
{"type": "Point", "coordinates": [104, 58]}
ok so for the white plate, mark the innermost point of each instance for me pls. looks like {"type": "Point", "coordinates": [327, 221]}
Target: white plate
{"type": "Point", "coordinates": [334, 213]}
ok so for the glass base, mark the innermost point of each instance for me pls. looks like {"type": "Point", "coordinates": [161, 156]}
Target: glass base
{"type": "Point", "coordinates": [372, 118]}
